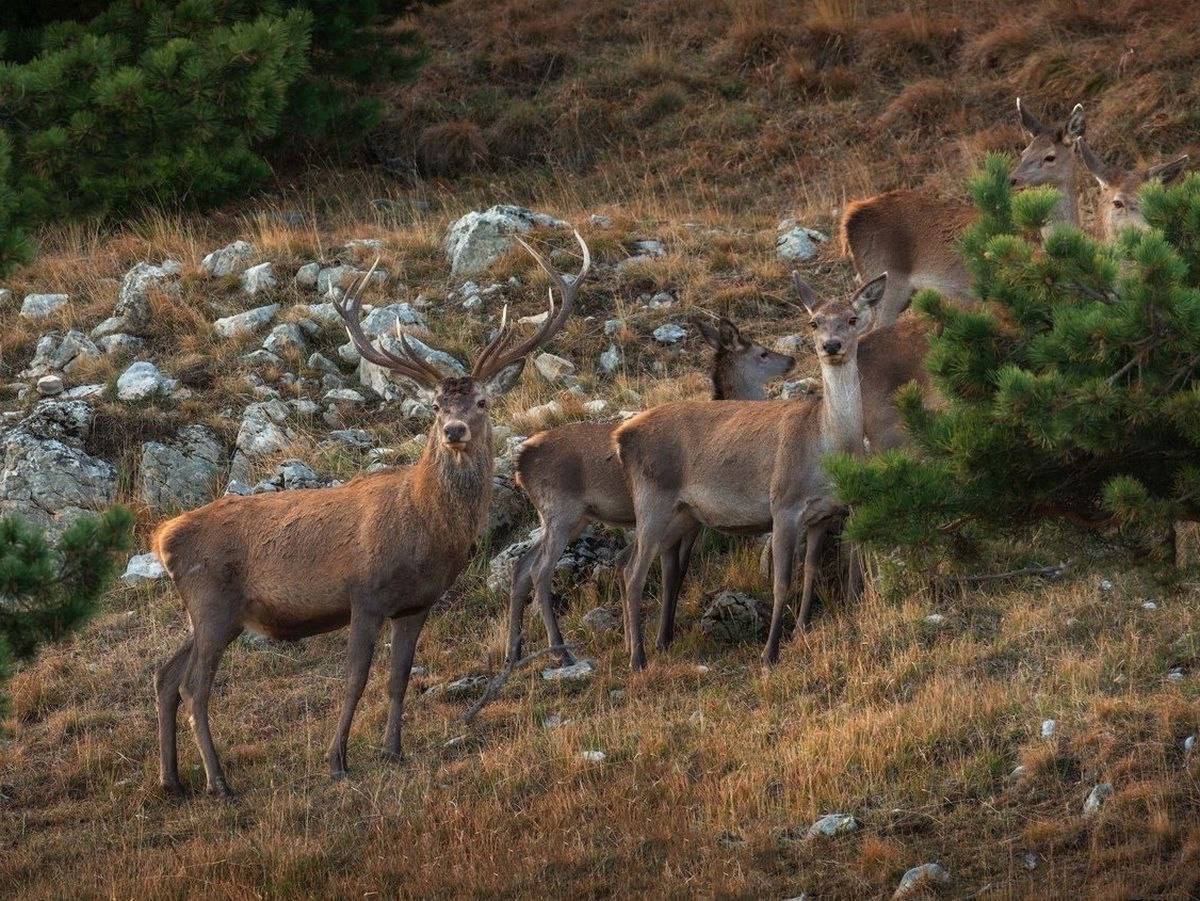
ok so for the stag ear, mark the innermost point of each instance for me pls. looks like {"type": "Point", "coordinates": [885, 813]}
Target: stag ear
{"type": "Point", "coordinates": [806, 294]}
{"type": "Point", "coordinates": [1093, 164]}
{"type": "Point", "coordinates": [711, 336]}
{"type": "Point", "coordinates": [868, 296]}
{"type": "Point", "coordinates": [1167, 172]}
{"type": "Point", "coordinates": [1032, 124]}
{"type": "Point", "coordinates": [506, 379]}
{"type": "Point", "coordinates": [1076, 125]}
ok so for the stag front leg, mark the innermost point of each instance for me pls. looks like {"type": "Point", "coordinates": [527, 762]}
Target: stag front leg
{"type": "Point", "coordinates": [677, 553]}
{"type": "Point", "coordinates": [555, 538]}
{"type": "Point", "coordinates": [812, 561]}
{"type": "Point", "coordinates": [405, 632]}
{"type": "Point", "coordinates": [654, 515]}
{"type": "Point", "coordinates": [364, 629]}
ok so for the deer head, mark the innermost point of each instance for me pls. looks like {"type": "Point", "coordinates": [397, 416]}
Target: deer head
{"type": "Point", "coordinates": [741, 366]}
{"type": "Point", "coordinates": [462, 404]}
{"type": "Point", "coordinates": [1120, 189]}
{"type": "Point", "coordinates": [837, 324]}
{"type": "Point", "coordinates": [1047, 159]}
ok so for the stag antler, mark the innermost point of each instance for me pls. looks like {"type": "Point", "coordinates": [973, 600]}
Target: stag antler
{"type": "Point", "coordinates": [496, 356]}
{"type": "Point", "coordinates": [410, 365]}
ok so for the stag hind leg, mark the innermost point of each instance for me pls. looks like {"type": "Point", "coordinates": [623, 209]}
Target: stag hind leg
{"type": "Point", "coordinates": [676, 555]}
{"type": "Point", "coordinates": [784, 531]}
{"type": "Point", "coordinates": [364, 630]}
{"type": "Point", "coordinates": [166, 692]}
{"type": "Point", "coordinates": [209, 642]}
{"type": "Point", "coordinates": [655, 512]}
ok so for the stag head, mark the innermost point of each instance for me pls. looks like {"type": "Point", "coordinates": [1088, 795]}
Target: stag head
{"type": "Point", "coordinates": [462, 404]}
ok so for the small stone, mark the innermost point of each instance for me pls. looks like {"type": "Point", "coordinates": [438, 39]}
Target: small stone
{"type": "Point", "coordinates": [42, 306]}
{"type": "Point", "coordinates": [616, 695]}
{"type": "Point", "coordinates": [1105, 586]}
{"type": "Point", "coordinates": [1018, 771]}
{"type": "Point", "coordinates": [120, 344]}
{"type": "Point", "coordinates": [597, 407]}
{"type": "Point", "coordinates": [610, 360]}
{"type": "Point", "coordinates": [552, 368]}
{"type": "Point", "coordinates": [143, 568]}
{"type": "Point", "coordinates": [601, 619]}
{"type": "Point", "coordinates": [306, 275]}
{"type": "Point", "coordinates": [465, 687]}
{"type": "Point", "coordinates": [798, 244]}
{"type": "Point", "coordinates": [322, 363]}
{"type": "Point", "coordinates": [1175, 675]}
{"type": "Point", "coordinates": [613, 326]}
{"type": "Point", "coordinates": [229, 260]}
{"type": "Point", "coordinates": [660, 301]}
{"type": "Point", "coordinates": [833, 825]}
{"type": "Point", "coordinates": [284, 338]}
{"type": "Point", "coordinates": [50, 385]}
{"type": "Point", "coordinates": [599, 220]}
{"type": "Point", "coordinates": [808, 387]}
{"type": "Point", "coordinates": [1149, 605]}
{"type": "Point", "coordinates": [581, 671]}
{"type": "Point", "coordinates": [925, 876]}
{"type": "Point", "coordinates": [670, 333]}
{"type": "Point", "coordinates": [1049, 727]}
{"type": "Point", "coordinates": [1189, 744]}
{"type": "Point", "coordinates": [386, 320]}
{"type": "Point", "coordinates": [258, 278]}
{"type": "Point", "coordinates": [1030, 861]}
{"type": "Point", "coordinates": [1097, 798]}
{"type": "Point", "coordinates": [935, 619]}
{"type": "Point", "coordinates": [701, 669]}
{"type": "Point", "coordinates": [732, 617]}
{"type": "Point", "coordinates": [536, 320]}
{"type": "Point", "coordinates": [143, 380]}
{"type": "Point", "coordinates": [791, 344]}
{"type": "Point", "coordinates": [457, 742]}
{"type": "Point", "coordinates": [553, 721]}
{"type": "Point", "coordinates": [344, 396]}
{"type": "Point", "coordinates": [592, 756]}
{"type": "Point", "coordinates": [246, 323]}
{"type": "Point", "coordinates": [649, 248]}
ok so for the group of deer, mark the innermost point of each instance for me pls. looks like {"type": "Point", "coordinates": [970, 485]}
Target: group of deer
{"type": "Point", "coordinates": [386, 546]}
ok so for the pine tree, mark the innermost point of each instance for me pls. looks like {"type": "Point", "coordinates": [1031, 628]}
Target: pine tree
{"type": "Point", "coordinates": [105, 107]}
{"type": "Point", "coordinates": [1073, 391]}
{"type": "Point", "coordinates": [45, 593]}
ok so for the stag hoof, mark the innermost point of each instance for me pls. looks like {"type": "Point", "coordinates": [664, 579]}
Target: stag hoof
{"type": "Point", "coordinates": [172, 789]}
{"type": "Point", "coordinates": [221, 792]}
{"type": "Point", "coordinates": [395, 757]}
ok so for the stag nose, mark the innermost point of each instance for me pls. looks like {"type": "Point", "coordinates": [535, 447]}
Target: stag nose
{"type": "Point", "coordinates": [456, 432]}
{"type": "Point", "coordinates": [832, 346]}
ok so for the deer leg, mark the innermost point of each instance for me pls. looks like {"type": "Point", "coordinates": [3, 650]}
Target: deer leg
{"type": "Point", "coordinates": [674, 561]}
{"type": "Point", "coordinates": [555, 538]}
{"type": "Point", "coordinates": [854, 575]}
{"type": "Point", "coordinates": [166, 692]}
{"type": "Point", "coordinates": [196, 688]}
{"type": "Point", "coordinates": [815, 535]}
{"type": "Point", "coordinates": [654, 516]}
{"type": "Point", "coordinates": [783, 539]}
{"type": "Point", "coordinates": [364, 630]}
{"type": "Point", "coordinates": [518, 597]}
{"type": "Point", "coordinates": [405, 631]}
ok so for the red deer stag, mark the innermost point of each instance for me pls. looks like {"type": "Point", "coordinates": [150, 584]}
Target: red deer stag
{"type": "Point", "coordinates": [573, 477]}
{"type": "Point", "coordinates": [383, 546]}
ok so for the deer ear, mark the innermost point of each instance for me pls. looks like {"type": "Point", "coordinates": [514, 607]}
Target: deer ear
{"type": "Point", "coordinates": [806, 294]}
{"type": "Point", "coordinates": [1032, 124]}
{"type": "Point", "coordinates": [869, 295]}
{"type": "Point", "coordinates": [1167, 172]}
{"type": "Point", "coordinates": [708, 333]}
{"type": "Point", "coordinates": [506, 379]}
{"type": "Point", "coordinates": [1076, 125]}
{"type": "Point", "coordinates": [1093, 163]}
{"type": "Point", "coordinates": [730, 336]}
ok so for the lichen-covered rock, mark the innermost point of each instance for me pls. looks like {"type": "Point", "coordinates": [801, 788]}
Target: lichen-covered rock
{"type": "Point", "coordinates": [258, 278]}
{"type": "Point", "coordinates": [246, 323]}
{"type": "Point", "coordinates": [732, 617]}
{"type": "Point", "coordinates": [285, 337]}
{"type": "Point", "coordinates": [924, 877]}
{"type": "Point", "coordinates": [42, 306]}
{"type": "Point", "coordinates": [797, 243]}
{"type": "Point", "coordinates": [385, 383]}
{"type": "Point", "coordinates": [229, 260]}
{"type": "Point", "coordinates": [263, 430]}
{"type": "Point", "coordinates": [66, 354]}
{"type": "Point", "coordinates": [833, 825]}
{"type": "Point", "coordinates": [671, 333]}
{"type": "Point", "coordinates": [132, 312]}
{"type": "Point", "coordinates": [183, 473]}
{"type": "Point", "coordinates": [583, 558]}
{"type": "Point", "coordinates": [46, 476]}
{"type": "Point", "coordinates": [384, 320]}
{"type": "Point", "coordinates": [143, 568]}
{"type": "Point", "coordinates": [478, 240]}
{"type": "Point", "coordinates": [292, 475]}
{"type": "Point", "coordinates": [143, 380]}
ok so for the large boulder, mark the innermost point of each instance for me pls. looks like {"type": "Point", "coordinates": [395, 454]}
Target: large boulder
{"type": "Point", "coordinates": [46, 476]}
{"type": "Point", "coordinates": [264, 431]}
{"type": "Point", "coordinates": [143, 380]}
{"type": "Point", "coordinates": [132, 312]}
{"type": "Point", "coordinates": [183, 473]}
{"type": "Point", "coordinates": [383, 381]}
{"type": "Point", "coordinates": [477, 240]}
{"type": "Point", "coordinates": [65, 354]}
{"type": "Point", "coordinates": [385, 320]}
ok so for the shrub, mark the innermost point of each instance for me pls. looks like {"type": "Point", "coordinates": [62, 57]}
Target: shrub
{"type": "Point", "coordinates": [45, 593]}
{"type": "Point", "coordinates": [451, 149]}
{"type": "Point", "coordinates": [1074, 392]}
{"type": "Point", "coordinates": [113, 105]}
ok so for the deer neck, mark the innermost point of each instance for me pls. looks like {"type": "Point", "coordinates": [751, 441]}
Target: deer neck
{"type": "Point", "coordinates": [457, 483]}
{"type": "Point", "coordinates": [841, 408]}
{"type": "Point", "coordinates": [1066, 211]}
{"type": "Point", "coordinates": [728, 386]}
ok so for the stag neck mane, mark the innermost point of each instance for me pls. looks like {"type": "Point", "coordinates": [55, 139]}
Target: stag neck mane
{"type": "Point", "coordinates": [450, 479]}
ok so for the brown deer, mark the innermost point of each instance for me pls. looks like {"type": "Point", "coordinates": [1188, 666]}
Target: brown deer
{"type": "Point", "coordinates": [757, 467]}
{"type": "Point", "coordinates": [382, 546]}
{"type": "Point", "coordinates": [572, 476]}
{"type": "Point", "coordinates": [912, 235]}
{"type": "Point", "coordinates": [1120, 205]}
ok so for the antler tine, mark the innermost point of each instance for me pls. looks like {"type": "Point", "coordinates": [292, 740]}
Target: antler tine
{"type": "Point", "coordinates": [350, 310]}
{"type": "Point", "coordinates": [495, 357]}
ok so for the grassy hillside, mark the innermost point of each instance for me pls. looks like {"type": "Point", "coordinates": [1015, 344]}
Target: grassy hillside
{"type": "Point", "coordinates": [700, 124]}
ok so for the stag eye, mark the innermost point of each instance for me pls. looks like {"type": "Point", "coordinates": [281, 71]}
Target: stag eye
{"type": "Point", "coordinates": [1049, 158]}
{"type": "Point", "coordinates": [1119, 204]}
{"type": "Point", "coordinates": [763, 355]}
{"type": "Point", "coordinates": [854, 320]}
{"type": "Point", "coordinates": [813, 324]}
{"type": "Point", "coordinates": [482, 403]}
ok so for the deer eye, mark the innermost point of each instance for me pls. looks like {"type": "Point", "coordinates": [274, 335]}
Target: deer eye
{"type": "Point", "coordinates": [1119, 204]}
{"type": "Point", "coordinates": [482, 403]}
{"type": "Point", "coordinates": [812, 324]}
{"type": "Point", "coordinates": [854, 320]}
{"type": "Point", "coordinates": [1049, 158]}
{"type": "Point", "coordinates": [437, 408]}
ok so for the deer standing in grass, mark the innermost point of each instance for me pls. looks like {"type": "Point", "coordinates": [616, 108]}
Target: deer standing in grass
{"type": "Point", "coordinates": [572, 476]}
{"type": "Point", "coordinates": [757, 467]}
{"type": "Point", "coordinates": [1120, 205]}
{"type": "Point", "coordinates": [383, 546]}
{"type": "Point", "coordinates": [912, 235]}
